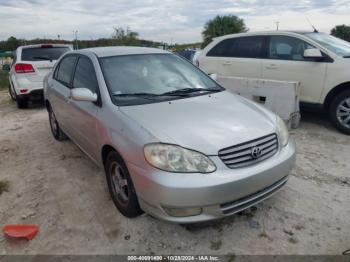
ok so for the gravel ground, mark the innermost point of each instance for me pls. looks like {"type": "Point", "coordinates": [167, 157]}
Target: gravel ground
{"type": "Point", "coordinates": [57, 187]}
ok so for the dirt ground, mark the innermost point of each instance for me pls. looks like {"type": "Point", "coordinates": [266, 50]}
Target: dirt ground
{"type": "Point", "coordinates": [56, 186]}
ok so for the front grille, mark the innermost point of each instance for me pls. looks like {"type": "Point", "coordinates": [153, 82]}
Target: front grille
{"type": "Point", "coordinates": [250, 200]}
{"type": "Point", "coordinates": [242, 154]}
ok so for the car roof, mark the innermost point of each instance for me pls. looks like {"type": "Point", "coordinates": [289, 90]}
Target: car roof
{"type": "Point", "coordinates": [287, 32]}
{"type": "Point", "coordinates": [40, 45]}
{"type": "Point", "coordinates": [123, 50]}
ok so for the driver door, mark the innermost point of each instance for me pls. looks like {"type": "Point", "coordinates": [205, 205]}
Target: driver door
{"type": "Point", "coordinates": [84, 114]}
{"type": "Point", "coordinates": [285, 61]}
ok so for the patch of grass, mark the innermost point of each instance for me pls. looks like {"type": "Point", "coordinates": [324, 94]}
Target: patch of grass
{"type": "Point", "coordinates": [265, 235]}
{"type": "Point", "coordinates": [215, 245]}
{"type": "Point", "coordinates": [4, 79]}
{"type": "Point", "coordinates": [293, 240]}
{"type": "Point", "coordinates": [4, 186]}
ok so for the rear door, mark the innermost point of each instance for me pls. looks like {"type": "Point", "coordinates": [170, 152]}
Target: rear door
{"type": "Point", "coordinates": [60, 91]}
{"type": "Point", "coordinates": [236, 57]}
{"type": "Point", "coordinates": [285, 61]}
{"type": "Point", "coordinates": [42, 58]}
{"type": "Point", "coordinates": [83, 115]}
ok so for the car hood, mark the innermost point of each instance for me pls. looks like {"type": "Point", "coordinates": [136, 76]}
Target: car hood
{"type": "Point", "coordinates": [204, 123]}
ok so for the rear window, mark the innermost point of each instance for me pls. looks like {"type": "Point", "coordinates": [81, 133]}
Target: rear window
{"type": "Point", "coordinates": [43, 53]}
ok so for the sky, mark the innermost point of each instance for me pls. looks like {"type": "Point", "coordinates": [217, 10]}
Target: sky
{"type": "Point", "coordinates": [176, 21]}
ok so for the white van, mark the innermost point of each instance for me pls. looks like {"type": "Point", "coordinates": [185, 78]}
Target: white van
{"type": "Point", "coordinates": [318, 61]}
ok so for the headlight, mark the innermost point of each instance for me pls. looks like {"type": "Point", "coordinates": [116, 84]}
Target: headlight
{"type": "Point", "coordinates": [282, 130]}
{"type": "Point", "coordinates": [174, 158]}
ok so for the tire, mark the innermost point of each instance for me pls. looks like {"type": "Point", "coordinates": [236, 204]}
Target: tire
{"type": "Point", "coordinates": [22, 102]}
{"type": "Point", "coordinates": [12, 94]}
{"type": "Point", "coordinates": [339, 111]}
{"type": "Point", "coordinates": [56, 131]}
{"type": "Point", "coordinates": [121, 187]}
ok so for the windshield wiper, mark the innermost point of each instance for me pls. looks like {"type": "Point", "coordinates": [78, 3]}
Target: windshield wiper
{"type": "Point", "coordinates": [42, 58]}
{"type": "Point", "coordinates": [178, 92]}
{"type": "Point", "coordinates": [186, 91]}
{"type": "Point", "coordinates": [149, 96]}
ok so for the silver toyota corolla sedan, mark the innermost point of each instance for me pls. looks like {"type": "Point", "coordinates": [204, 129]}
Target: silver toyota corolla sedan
{"type": "Point", "coordinates": [172, 142]}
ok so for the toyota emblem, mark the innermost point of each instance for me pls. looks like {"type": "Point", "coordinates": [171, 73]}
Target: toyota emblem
{"type": "Point", "coordinates": [256, 152]}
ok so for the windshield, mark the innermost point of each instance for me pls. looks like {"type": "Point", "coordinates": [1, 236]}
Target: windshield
{"type": "Point", "coordinates": [150, 78]}
{"type": "Point", "coordinates": [336, 45]}
{"type": "Point", "coordinates": [43, 53]}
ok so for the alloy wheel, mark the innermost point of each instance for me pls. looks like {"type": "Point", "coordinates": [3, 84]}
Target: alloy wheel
{"type": "Point", "coordinates": [119, 183]}
{"type": "Point", "coordinates": [343, 113]}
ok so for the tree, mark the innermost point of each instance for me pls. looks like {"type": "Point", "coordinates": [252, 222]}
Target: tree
{"type": "Point", "coordinates": [123, 37]}
{"type": "Point", "coordinates": [341, 31]}
{"type": "Point", "coordinates": [222, 25]}
{"type": "Point", "coordinates": [12, 43]}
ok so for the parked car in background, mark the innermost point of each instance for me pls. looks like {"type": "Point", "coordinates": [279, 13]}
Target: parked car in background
{"type": "Point", "coordinates": [187, 54]}
{"type": "Point", "coordinates": [318, 61]}
{"type": "Point", "coordinates": [6, 67]}
{"type": "Point", "coordinates": [195, 57]}
{"type": "Point", "coordinates": [31, 63]}
{"type": "Point", "coordinates": [172, 142]}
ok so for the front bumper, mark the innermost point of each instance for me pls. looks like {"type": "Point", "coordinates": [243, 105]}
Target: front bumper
{"type": "Point", "coordinates": [219, 194]}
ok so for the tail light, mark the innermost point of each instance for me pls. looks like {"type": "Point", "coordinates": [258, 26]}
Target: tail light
{"type": "Point", "coordinates": [24, 68]}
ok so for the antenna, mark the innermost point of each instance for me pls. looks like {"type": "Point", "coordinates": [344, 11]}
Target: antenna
{"type": "Point", "coordinates": [315, 30]}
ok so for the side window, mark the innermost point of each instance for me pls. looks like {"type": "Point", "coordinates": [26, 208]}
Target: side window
{"type": "Point", "coordinates": [65, 70]}
{"type": "Point", "coordinates": [244, 47]}
{"type": "Point", "coordinates": [85, 76]}
{"type": "Point", "coordinates": [287, 48]}
{"type": "Point", "coordinates": [225, 48]}
{"type": "Point", "coordinates": [250, 47]}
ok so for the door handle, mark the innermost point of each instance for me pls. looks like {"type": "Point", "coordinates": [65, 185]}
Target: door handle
{"type": "Point", "coordinates": [227, 63]}
{"type": "Point", "coordinates": [271, 66]}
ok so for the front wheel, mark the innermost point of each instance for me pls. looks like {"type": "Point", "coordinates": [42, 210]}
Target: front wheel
{"type": "Point", "coordinates": [56, 131]}
{"type": "Point", "coordinates": [121, 186]}
{"type": "Point", "coordinates": [340, 112]}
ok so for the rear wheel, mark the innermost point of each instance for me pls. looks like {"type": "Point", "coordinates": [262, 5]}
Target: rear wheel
{"type": "Point", "coordinates": [22, 102]}
{"type": "Point", "coordinates": [340, 111]}
{"type": "Point", "coordinates": [121, 186]}
{"type": "Point", "coordinates": [12, 93]}
{"type": "Point", "coordinates": [56, 131]}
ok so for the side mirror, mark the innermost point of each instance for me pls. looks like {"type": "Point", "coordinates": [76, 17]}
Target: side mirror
{"type": "Point", "coordinates": [313, 53]}
{"type": "Point", "coordinates": [83, 94]}
{"type": "Point", "coordinates": [214, 77]}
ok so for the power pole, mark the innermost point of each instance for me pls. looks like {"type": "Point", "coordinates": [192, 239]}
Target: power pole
{"type": "Point", "coordinates": [277, 25]}
{"type": "Point", "coordinates": [75, 33]}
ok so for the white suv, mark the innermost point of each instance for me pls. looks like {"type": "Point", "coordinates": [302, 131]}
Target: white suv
{"type": "Point", "coordinates": [30, 65]}
{"type": "Point", "coordinates": [318, 61]}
